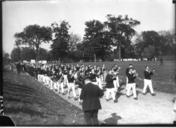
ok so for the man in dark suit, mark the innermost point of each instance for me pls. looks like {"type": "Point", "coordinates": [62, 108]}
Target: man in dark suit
{"type": "Point", "coordinates": [91, 104]}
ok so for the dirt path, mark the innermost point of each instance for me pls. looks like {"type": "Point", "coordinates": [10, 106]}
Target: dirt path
{"type": "Point", "coordinates": [146, 110]}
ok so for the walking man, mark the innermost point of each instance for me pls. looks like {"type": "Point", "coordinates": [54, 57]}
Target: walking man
{"type": "Point", "coordinates": [71, 85]}
{"type": "Point", "coordinates": [148, 81]}
{"type": "Point", "coordinates": [127, 72]}
{"type": "Point", "coordinates": [131, 83]}
{"type": "Point", "coordinates": [91, 104]}
{"type": "Point", "coordinates": [111, 90]}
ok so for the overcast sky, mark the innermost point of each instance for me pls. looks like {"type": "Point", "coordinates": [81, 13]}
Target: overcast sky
{"type": "Point", "coordinates": [153, 14]}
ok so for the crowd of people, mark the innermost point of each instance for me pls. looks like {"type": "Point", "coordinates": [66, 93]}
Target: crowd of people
{"type": "Point", "coordinates": [66, 79]}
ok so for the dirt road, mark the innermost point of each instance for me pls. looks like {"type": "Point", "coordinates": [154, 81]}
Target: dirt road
{"type": "Point", "coordinates": [146, 110]}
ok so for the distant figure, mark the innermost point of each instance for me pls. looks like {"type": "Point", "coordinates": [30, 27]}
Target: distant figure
{"type": "Point", "coordinates": [148, 80]}
{"type": "Point", "coordinates": [161, 61]}
{"type": "Point", "coordinates": [18, 67]}
{"type": "Point", "coordinates": [91, 104]}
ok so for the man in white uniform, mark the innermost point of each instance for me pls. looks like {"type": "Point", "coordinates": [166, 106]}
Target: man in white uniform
{"type": "Point", "coordinates": [148, 81]}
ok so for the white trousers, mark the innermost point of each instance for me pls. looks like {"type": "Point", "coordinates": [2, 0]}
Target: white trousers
{"type": "Point", "coordinates": [129, 87]}
{"type": "Point", "coordinates": [126, 83]}
{"type": "Point", "coordinates": [148, 84]}
{"type": "Point", "coordinates": [59, 86]}
{"type": "Point", "coordinates": [99, 83]}
{"type": "Point", "coordinates": [43, 79]}
{"type": "Point", "coordinates": [39, 77]}
{"type": "Point", "coordinates": [46, 80]}
{"type": "Point", "coordinates": [56, 86]}
{"type": "Point", "coordinates": [71, 87]}
{"type": "Point", "coordinates": [111, 93]}
{"type": "Point", "coordinates": [62, 85]}
{"type": "Point", "coordinates": [79, 93]}
{"type": "Point", "coordinates": [50, 83]}
{"type": "Point", "coordinates": [116, 83]}
{"type": "Point", "coordinates": [65, 79]}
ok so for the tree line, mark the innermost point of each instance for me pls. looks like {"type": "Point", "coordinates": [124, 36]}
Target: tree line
{"type": "Point", "coordinates": [108, 40]}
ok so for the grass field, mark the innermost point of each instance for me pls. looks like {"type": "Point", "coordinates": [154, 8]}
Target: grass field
{"type": "Point", "coordinates": [164, 78]}
{"type": "Point", "coordinates": [28, 102]}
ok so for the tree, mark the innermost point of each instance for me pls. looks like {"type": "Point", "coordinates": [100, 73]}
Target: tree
{"type": "Point", "coordinates": [149, 52]}
{"type": "Point", "coordinates": [168, 43]}
{"type": "Point", "coordinates": [96, 41]}
{"type": "Point", "coordinates": [43, 54]}
{"type": "Point", "coordinates": [6, 57]}
{"type": "Point", "coordinates": [33, 36]}
{"type": "Point", "coordinates": [27, 53]}
{"type": "Point", "coordinates": [73, 41]}
{"type": "Point", "coordinates": [121, 30]}
{"type": "Point", "coordinates": [59, 48]}
{"type": "Point", "coordinates": [149, 41]}
{"type": "Point", "coordinates": [79, 53]}
{"type": "Point", "coordinates": [16, 54]}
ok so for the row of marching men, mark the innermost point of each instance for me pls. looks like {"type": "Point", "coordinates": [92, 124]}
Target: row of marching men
{"type": "Point", "coordinates": [70, 78]}
{"type": "Point", "coordinates": [65, 79]}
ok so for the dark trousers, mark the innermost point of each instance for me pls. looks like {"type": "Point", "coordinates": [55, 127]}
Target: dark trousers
{"type": "Point", "coordinates": [91, 117]}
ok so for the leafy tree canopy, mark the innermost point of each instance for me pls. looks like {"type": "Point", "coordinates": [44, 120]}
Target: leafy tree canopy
{"type": "Point", "coordinates": [33, 36]}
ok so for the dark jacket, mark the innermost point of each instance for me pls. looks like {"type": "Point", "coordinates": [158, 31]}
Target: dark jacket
{"type": "Point", "coordinates": [80, 81]}
{"type": "Point", "coordinates": [148, 75]}
{"type": "Point", "coordinates": [70, 78]}
{"type": "Point", "coordinates": [131, 78]}
{"type": "Point", "coordinates": [90, 95]}
{"type": "Point", "coordinates": [127, 71]}
{"type": "Point", "coordinates": [109, 81]}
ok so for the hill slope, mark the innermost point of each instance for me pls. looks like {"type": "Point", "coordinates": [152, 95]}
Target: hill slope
{"type": "Point", "coordinates": [27, 102]}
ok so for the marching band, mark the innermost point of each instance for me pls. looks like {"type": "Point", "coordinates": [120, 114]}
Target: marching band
{"type": "Point", "coordinates": [67, 78]}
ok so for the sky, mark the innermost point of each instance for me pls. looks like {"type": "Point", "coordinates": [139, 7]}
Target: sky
{"type": "Point", "coordinates": [154, 15]}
